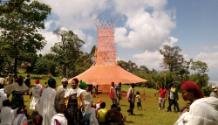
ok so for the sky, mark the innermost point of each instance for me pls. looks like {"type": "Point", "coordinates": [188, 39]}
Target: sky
{"type": "Point", "coordinates": [142, 27]}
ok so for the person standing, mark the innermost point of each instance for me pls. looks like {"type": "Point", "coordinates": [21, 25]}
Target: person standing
{"type": "Point", "coordinates": [162, 96]}
{"type": "Point", "coordinates": [75, 89]}
{"type": "Point", "coordinates": [46, 102]}
{"type": "Point", "coordinates": [173, 99]}
{"type": "Point", "coordinates": [17, 89]}
{"type": "Point", "coordinates": [138, 100]}
{"type": "Point", "coordinates": [62, 87]}
{"type": "Point", "coordinates": [27, 80]}
{"type": "Point", "coordinates": [112, 94]}
{"type": "Point", "coordinates": [35, 94]}
{"type": "Point", "coordinates": [214, 92]}
{"type": "Point", "coordinates": [3, 95]}
{"type": "Point", "coordinates": [60, 108]}
{"type": "Point", "coordinates": [7, 114]}
{"type": "Point", "coordinates": [131, 99]}
{"type": "Point", "coordinates": [118, 91]}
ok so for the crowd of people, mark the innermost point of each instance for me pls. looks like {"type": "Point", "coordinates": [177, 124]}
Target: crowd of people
{"type": "Point", "coordinates": [72, 103]}
{"type": "Point", "coordinates": [199, 110]}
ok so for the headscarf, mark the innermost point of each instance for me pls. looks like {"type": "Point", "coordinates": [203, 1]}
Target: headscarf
{"type": "Point", "coordinates": [191, 86]}
{"type": "Point", "coordinates": [37, 81]}
{"type": "Point", "coordinates": [64, 80]}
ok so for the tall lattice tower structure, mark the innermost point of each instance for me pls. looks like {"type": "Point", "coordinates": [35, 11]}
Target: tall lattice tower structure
{"type": "Point", "coordinates": [105, 69]}
{"type": "Point", "coordinates": [106, 52]}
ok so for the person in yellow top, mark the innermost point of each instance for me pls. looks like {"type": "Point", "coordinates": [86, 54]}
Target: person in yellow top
{"type": "Point", "coordinates": [101, 114]}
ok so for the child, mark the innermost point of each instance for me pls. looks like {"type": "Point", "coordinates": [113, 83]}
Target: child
{"type": "Point", "coordinates": [101, 113]}
{"type": "Point", "coordinates": [138, 100]}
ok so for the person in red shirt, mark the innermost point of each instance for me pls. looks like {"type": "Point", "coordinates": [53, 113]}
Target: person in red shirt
{"type": "Point", "coordinates": [112, 94]}
{"type": "Point", "coordinates": [162, 96]}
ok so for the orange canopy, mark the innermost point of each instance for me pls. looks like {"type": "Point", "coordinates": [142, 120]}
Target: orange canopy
{"type": "Point", "coordinates": [103, 75]}
{"type": "Point", "coordinates": [105, 70]}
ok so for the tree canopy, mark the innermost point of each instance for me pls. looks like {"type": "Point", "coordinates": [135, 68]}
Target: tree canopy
{"type": "Point", "coordinates": [67, 51]}
{"type": "Point", "coordinates": [20, 22]}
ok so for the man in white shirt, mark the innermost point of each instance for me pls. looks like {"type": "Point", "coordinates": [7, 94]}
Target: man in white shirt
{"type": "Point", "coordinates": [75, 90]}
{"type": "Point", "coordinates": [131, 99]}
{"type": "Point", "coordinates": [36, 92]}
{"type": "Point", "coordinates": [3, 95]}
{"type": "Point", "coordinates": [7, 114]}
{"type": "Point", "coordinates": [203, 111]}
{"type": "Point", "coordinates": [46, 102]}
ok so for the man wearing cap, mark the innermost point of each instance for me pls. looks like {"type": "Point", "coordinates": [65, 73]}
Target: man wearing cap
{"type": "Point", "coordinates": [64, 83]}
{"type": "Point", "coordinates": [214, 92]}
{"type": "Point", "coordinates": [36, 92]}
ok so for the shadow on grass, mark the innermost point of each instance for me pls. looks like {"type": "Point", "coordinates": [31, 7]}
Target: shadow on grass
{"type": "Point", "coordinates": [129, 121]}
{"type": "Point", "coordinates": [138, 114]}
{"type": "Point", "coordinates": [124, 105]}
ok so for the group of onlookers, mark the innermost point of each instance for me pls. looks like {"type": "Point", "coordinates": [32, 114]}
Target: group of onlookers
{"type": "Point", "coordinates": [72, 103]}
{"type": "Point", "coordinates": [199, 110]}
{"type": "Point", "coordinates": [170, 94]}
{"type": "Point", "coordinates": [67, 104]}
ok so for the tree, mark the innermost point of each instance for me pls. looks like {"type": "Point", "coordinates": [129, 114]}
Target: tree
{"type": "Point", "coordinates": [200, 72]}
{"type": "Point", "coordinates": [129, 66]}
{"type": "Point", "coordinates": [20, 21]}
{"type": "Point", "coordinates": [175, 62]}
{"type": "Point", "coordinates": [199, 67]}
{"type": "Point", "coordinates": [46, 64]}
{"type": "Point", "coordinates": [67, 51]}
{"type": "Point", "coordinates": [172, 57]}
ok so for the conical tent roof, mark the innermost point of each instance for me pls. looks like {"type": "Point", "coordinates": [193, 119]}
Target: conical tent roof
{"type": "Point", "coordinates": [105, 70]}
{"type": "Point", "coordinates": [105, 74]}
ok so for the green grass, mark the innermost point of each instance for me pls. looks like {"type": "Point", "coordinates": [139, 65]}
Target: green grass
{"type": "Point", "coordinates": [150, 115]}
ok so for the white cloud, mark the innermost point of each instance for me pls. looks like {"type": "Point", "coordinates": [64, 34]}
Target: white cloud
{"type": "Point", "coordinates": [147, 25]}
{"type": "Point", "coordinates": [148, 29]}
{"type": "Point", "coordinates": [76, 13]}
{"type": "Point", "coordinates": [51, 39]}
{"type": "Point", "coordinates": [129, 7]}
{"type": "Point", "coordinates": [170, 41]}
{"type": "Point", "coordinates": [89, 40]}
{"type": "Point", "coordinates": [143, 29]}
{"type": "Point", "coordinates": [151, 59]}
{"type": "Point", "coordinates": [210, 58]}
